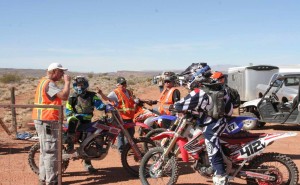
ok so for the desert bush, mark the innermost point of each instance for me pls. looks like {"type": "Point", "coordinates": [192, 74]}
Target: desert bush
{"type": "Point", "coordinates": [90, 75]}
{"type": "Point", "coordinates": [10, 78]}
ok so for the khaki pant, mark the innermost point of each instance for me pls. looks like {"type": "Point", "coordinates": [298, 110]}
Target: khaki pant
{"type": "Point", "coordinates": [48, 165]}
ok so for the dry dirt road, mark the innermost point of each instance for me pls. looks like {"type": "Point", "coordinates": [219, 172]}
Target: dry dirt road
{"type": "Point", "coordinates": [14, 169]}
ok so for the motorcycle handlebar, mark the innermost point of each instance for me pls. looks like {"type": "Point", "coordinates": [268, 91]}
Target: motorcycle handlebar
{"type": "Point", "coordinates": [148, 102]}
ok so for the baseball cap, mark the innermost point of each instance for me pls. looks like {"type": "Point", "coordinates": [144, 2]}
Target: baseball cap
{"type": "Point", "coordinates": [56, 66]}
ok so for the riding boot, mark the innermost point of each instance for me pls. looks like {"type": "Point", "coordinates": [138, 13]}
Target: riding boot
{"type": "Point", "coordinates": [220, 180]}
{"type": "Point", "coordinates": [88, 166]}
{"type": "Point", "coordinates": [70, 143]}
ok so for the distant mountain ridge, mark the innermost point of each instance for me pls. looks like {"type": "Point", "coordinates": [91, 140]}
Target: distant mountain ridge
{"type": "Point", "coordinates": [36, 73]}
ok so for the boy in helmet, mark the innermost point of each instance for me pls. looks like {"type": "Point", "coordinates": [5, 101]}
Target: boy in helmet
{"type": "Point", "coordinates": [199, 100]}
{"type": "Point", "coordinates": [82, 102]}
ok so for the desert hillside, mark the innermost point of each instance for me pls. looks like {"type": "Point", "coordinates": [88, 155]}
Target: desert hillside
{"type": "Point", "coordinates": [25, 82]}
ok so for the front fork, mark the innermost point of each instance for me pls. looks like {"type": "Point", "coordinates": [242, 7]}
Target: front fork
{"type": "Point", "coordinates": [157, 165]}
{"type": "Point", "coordinates": [133, 145]}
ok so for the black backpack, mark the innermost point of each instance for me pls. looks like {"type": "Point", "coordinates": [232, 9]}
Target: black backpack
{"type": "Point", "coordinates": [234, 96]}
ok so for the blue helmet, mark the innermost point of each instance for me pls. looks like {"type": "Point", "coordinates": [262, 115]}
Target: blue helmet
{"type": "Point", "coordinates": [80, 80]}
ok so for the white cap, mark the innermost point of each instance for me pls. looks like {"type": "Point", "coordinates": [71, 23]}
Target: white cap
{"type": "Point", "coordinates": [56, 66]}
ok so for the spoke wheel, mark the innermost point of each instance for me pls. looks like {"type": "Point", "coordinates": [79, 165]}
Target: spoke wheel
{"type": "Point", "coordinates": [131, 162]}
{"type": "Point", "coordinates": [279, 166]}
{"type": "Point", "coordinates": [158, 171]}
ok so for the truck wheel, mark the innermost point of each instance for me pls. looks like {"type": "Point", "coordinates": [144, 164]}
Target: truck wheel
{"type": "Point", "coordinates": [249, 124]}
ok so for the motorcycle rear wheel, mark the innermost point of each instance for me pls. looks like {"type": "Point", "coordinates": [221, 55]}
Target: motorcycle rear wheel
{"type": "Point", "coordinates": [34, 157]}
{"type": "Point", "coordinates": [167, 174]}
{"type": "Point", "coordinates": [129, 161]}
{"type": "Point", "coordinates": [278, 165]}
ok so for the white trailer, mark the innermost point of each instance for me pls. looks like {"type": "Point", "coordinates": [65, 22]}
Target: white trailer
{"type": "Point", "coordinates": [246, 78]}
{"type": "Point", "coordinates": [289, 68]}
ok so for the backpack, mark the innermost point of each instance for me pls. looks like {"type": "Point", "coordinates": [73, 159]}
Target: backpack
{"type": "Point", "coordinates": [218, 109]}
{"type": "Point", "coordinates": [234, 96]}
{"type": "Point", "coordinates": [217, 95]}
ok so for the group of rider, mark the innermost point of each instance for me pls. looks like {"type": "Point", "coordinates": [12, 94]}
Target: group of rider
{"type": "Point", "coordinates": [81, 104]}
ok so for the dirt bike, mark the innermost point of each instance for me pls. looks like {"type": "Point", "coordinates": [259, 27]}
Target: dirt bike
{"type": "Point", "coordinates": [242, 154]}
{"type": "Point", "coordinates": [149, 119]}
{"type": "Point", "coordinates": [96, 138]}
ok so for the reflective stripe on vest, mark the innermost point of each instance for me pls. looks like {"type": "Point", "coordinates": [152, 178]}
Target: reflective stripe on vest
{"type": "Point", "coordinates": [41, 98]}
{"type": "Point", "coordinates": [125, 104]}
{"type": "Point", "coordinates": [166, 100]}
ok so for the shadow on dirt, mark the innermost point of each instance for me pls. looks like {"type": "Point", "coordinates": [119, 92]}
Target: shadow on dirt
{"type": "Point", "coordinates": [6, 149]}
{"type": "Point", "coordinates": [294, 157]}
{"type": "Point", "coordinates": [285, 127]}
{"type": "Point", "coordinates": [102, 176]}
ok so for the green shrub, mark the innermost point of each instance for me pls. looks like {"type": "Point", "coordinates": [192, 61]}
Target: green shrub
{"type": "Point", "coordinates": [10, 78]}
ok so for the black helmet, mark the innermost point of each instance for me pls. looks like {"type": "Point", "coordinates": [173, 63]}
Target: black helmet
{"type": "Point", "coordinates": [121, 80]}
{"type": "Point", "coordinates": [170, 78]}
{"type": "Point", "coordinates": [80, 80]}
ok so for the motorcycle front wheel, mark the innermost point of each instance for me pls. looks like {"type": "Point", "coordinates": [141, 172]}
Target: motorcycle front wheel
{"type": "Point", "coordinates": [34, 158]}
{"type": "Point", "coordinates": [129, 161]}
{"type": "Point", "coordinates": [166, 172]}
{"type": "Point", "coordinates": [277, 165]}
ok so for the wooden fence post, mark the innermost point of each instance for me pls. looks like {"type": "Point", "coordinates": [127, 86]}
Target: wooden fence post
{"type": "Point", "coordinates": [13, 112]}
{"type": "Point", "coordinates": [4, 127]}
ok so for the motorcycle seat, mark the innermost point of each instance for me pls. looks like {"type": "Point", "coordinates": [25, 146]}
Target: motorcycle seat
{"type": "Point", "coordinates": [241, 137]}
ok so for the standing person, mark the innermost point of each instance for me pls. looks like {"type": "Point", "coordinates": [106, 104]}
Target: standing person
{"type": "Point", "coordinates": [46, 121]}
{"type": "Point", "coordinates": [79, 109]}
{"type": "Point", "coordinates": [123, 99]}
{"type": "Point", "coordinates": [199, 100]}
{"type": "Point", "coordinates": [168, 97]}
{"type": "Point", "coordinates": [161, 83]}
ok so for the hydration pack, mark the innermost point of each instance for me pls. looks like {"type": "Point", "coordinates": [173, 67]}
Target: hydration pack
{"type": "Point", "coordinates": [218, 109]}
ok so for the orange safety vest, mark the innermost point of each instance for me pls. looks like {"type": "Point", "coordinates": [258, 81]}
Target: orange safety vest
{"type": "Point", "coordinates": [166, 99]}
{"type": "Point", "coordinates": [41, 98]}
{"type": "Point", "coordinates": [125, 104]}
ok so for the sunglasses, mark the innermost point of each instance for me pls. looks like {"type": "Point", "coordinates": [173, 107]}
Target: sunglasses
{"type": "Point", "coordinates": [167, 81]}
{"type": "Point", "coordinates": [124, 83]}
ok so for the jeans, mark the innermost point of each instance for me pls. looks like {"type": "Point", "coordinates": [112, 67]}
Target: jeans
{"type": "Point", "coordinates": [121, 138]}
{"type": "Point", "coordinates": [48, 136]}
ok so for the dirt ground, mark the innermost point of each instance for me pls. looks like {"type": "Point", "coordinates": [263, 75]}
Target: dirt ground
{"type": "Point", "coordinates": [14, 168]}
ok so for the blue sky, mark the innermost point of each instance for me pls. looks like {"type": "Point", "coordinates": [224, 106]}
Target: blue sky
{"type": "Point", "coordinates": [111, 35]}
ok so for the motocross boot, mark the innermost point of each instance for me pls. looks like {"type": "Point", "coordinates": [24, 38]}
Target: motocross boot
{"type": "Point", "coordinates": [70, 143]}
{"type": "Point", "coordinates": [88, 166]}
{"type": "Point", "coordinates": [220, 180]}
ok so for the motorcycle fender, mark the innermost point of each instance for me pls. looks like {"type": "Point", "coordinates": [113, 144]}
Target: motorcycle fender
{"type": "Point", "coordinates": [143, 125]}
{"type": "Point", "coordinates": [184, 154]}
{"type": "Point", "coordinates": [166, 134]}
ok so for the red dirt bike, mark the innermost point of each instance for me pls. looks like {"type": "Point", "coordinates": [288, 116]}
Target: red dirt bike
{"type": "Point", "coordinates": [96, 138]}
{"type": "Point", "coordinates": [149, 119]}
{"type": "Point", "coordinates": [243, 155]}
